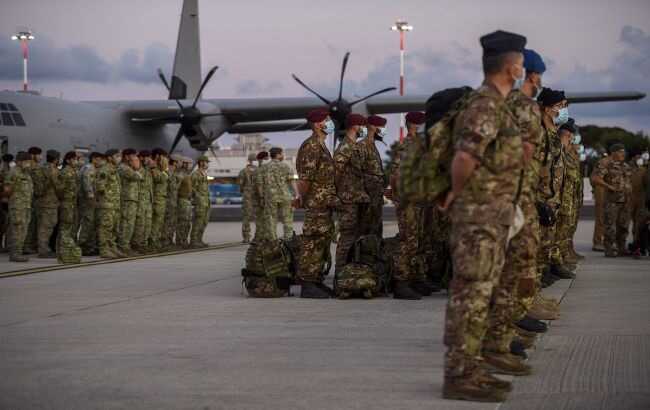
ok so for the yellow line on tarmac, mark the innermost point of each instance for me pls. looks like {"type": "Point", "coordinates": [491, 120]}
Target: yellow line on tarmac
{"type": "Point", "coordinates": [107, 261]}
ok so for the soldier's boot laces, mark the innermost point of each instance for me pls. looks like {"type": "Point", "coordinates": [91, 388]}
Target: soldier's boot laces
{"type": "Point", "coordinates": [506, 363]}
{"type": "Point", "coordinates": [314, 291]}
{"type": "Point", "coordinates": [472, 389]}
{"type": "Point", "coordinates": [402, 290]}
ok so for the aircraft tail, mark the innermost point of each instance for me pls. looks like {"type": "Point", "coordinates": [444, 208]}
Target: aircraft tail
{"type": "Point", "coordinates": [186, 77]}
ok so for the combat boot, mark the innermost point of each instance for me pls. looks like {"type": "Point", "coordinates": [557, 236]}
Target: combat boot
{"type": "Point", "coordinates": [402, 290]}
{"type": "Point", "coordinates": [526, 341]}
{"type": "Point", "coordinates": [525, 334]}
{"type": "Point", "coordinates": [48, 255]}
{"type": "Point", "coordinates": [486, 378]}
{"type": "Point", "coordinates": [422, 287]}
{"type": "Point", "coordinates": [532, 325]}
{"type": "Point", "coordinates": [598, 247]}
{"type": "Point", "coordinates": [506, 363]}
{"type": "Point", "coordinates": [16, 257]}
{"type": "Point", "coordinates": [518, 349]}
{"type": "Point", "coordinates": [312, 290]}
{"type": "Point", "coordinates": [549, 301]}
{"type": "Point", "coordinates": [107, 254]}
{"type": "Point", "coordinates": [471, 389]}
{"type": "Point", "coordinates": [562, 272]}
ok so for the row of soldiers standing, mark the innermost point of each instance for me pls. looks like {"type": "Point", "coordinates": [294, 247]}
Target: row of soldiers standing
{"type": "Point", "coordinates": [119, 204]}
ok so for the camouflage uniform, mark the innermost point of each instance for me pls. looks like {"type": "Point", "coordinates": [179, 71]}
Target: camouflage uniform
{"type": "Point", "coordinates": [68, 179]}
{"type": "Point", "coordinates": [637, 201]}
{"type": "Point", "coordinates": [481, 216]}
{"type": "Point", "coordinates": [20, 208]}
{"type": "Point", "coordinates": [46, 184]}
{"type": "Point", "coordinates": [513, 296]}
{"type": "Point", "coordinates": [568, 206]}
{"type": "Point", "coordinates": [4, 211]}
{"type": "Point", "coordinates": [348, 162]}
{"type": "Point", "coordinates": [617, 174]}
{"type": "Point", "coordinates": [315, 166]}
{"type": "Point", "coordinates": [374, 181]}
{"type": "Point", "coordinates": [263, 231]}
{"type": "Point", "coordinates": [160, 186]}
{"type": "Point", "coordinates": [31, 238]}
{"type": "Point", "coordinates": [201, 200]}
{"type": "Point", "coordinates": [171, 210]}
{"type": "Point", "coordinates": [87, 207]}
{"type": "Point", "coordinates": [142, 228]}
{"type": "Point", "coordinates": [184, 221]}
{"type": "Point", "coordinates": [277, 198]}
{"type": "Point", "coordinates": [107, 189]}
{"type": "Point", "coordinates": [130, 181]}
{"type": "Point", "coordinates": [550, 191]}
{"type": "Point", "coordinates": [248, 206]}
{"type": "Point", "coordinates": [599, 193]}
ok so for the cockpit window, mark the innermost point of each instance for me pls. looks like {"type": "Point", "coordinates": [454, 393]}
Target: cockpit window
{"type": "Point", "coordinates": [3, 107]}
{"type": "Point", "coordinates": [6, 119]}
{"type": "Point", "coordinates": [10, 115]}
{"type": "Point", "coordinates": [12, 107]}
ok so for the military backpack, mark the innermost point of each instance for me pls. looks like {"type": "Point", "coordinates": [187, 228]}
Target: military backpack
{"type": "Point", "coordinates": [268, 272]}
{"type": "Point", "coordinates": [367, 272]}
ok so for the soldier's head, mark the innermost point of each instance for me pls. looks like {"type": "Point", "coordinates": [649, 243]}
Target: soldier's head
{"type": "Point", "coordinates": [535, 68]}
{"type": "Point", "coordinates": [96, 158]}
{"type": "Point", "coordinates": [617, 151]}
{"type": "Point", "coordinates": [127, 153]}
{"type": "Point", "coordinates": [36, 154]}
{"type": "Point", "coordinates": [377, 127]}
{"type": "Point", "coordinates": [355, 126]}
{"type": "Point", "coordinates": [554, 105]}
{"type": "Point", "coordinates": [320, 122]}
{"type": "Point", "coordinates": [252, 157]}
{"type": "Point", "coordinates": [157, 153]}
{"type": "Point", "coordinates": [113, 156]}
{"type": "Point", "coordinates": [203, 162]}
{"type": "Point", "coordinates": [187, 163]}
{"type": "Point", "coordinates": [414, 121]}
{"type": "Point", "coordinates": [23, 159]}
{"type": "Point", "coordinates": [145, 158]}
{"type": "Point", "coordinates": [174, 161]}
{"type": "Point", "coordinates": [262, 156]}
{"type": "Point", "coordinates": [503, 59]}
{"type": "Point", "coordinates": [71, 159]}
{"type": "Point", "coordinates": [7, 159]}
{"type": "Point", "coordinates": [277, 153]}
{"type": "Point", "coordinates": [52, 157]}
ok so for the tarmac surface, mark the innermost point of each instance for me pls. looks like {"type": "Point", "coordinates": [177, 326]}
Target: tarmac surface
{"type": "Point", "coordinates": [176, 332]}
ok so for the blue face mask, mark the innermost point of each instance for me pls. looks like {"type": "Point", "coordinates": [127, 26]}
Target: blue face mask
{"type": "Point", "coordinates": [329, 127]}
{"type": "Point", "coordinates": [576, 139]}
{"type": "Point", "coordinates": [381, 133]}
{"type": "Point", "coordinates": [519, 81]}
{"type": "Point", "coordinates": [562, 116]}
{"type": "Point", "coordinates": [363, 132]}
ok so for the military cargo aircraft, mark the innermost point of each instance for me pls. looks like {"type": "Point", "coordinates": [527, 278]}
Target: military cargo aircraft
{"type": "Point", "coordinates": [186, 122]}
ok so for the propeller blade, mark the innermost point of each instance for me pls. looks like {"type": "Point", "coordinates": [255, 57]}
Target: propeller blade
{"type": "Point", "coordinates": [175, 118]}
{"type": "Point", "coordinates": [163, 79]}
{"type": "Point", "coordinates": [385, 90]}
{"type": "Point", "coordinates": [177, 139]}
{"type": "Point", "coordinates": [205, 82]}
{"type": "Point", "coordinates": [323, 99]}
{"type": "Point", "coordinates": [343, 67]}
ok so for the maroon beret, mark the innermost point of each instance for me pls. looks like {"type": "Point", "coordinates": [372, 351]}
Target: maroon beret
{"type": "Point", "coordinates": [377, 121]}
{"type": "Point", "coordinates": [262, 155]}
{"type": "Point", "coordinates": [355, 119]}
{"type": "Point", "coordinates": [317, 115]}
{"type": "Point", "coordinates": [415, 117]}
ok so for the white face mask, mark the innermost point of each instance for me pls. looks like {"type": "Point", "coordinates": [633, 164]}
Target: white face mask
{"type": "Point", "coordinates": [583, 157]}
{"type": "Point", "coordinates": [639, 162]}
{"type": "Point", "coordinates": [645, 156]}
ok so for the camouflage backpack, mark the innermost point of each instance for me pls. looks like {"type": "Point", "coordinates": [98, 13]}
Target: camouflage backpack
{"type": "Point", "coordinates": [426, 160]}
{"type": "Point", "coordinates": [268, 271]}
{"type": "Point", "coordinates": [367, 272]}
{"type": "Point", "coordinates": [293, 246]}
{"type": "Point", "coordinates": [68, 251]}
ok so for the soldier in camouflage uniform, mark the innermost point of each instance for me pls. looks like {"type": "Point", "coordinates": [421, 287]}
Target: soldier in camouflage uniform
{"type": "Point", "coordinates": [317, 194]}
{"type": "Point", "coordinates": [18, 188]}
{"type": "Point", "coordinates": [184, 221]}
{"type": "Point", "coordinates": [107, 190]}
{"type": "Point", "coordinates": [409, 217]}
{"type": "Point", "coordinates": [201, 201]}
{"type": "Point", "coordinates": [31, 240]}
{"type": "Point", "coordinates": [262, 230]}
{"type": "Point", "coordinates": [4, 204]}
{"type": "Point", "coordinates": [130, 178]}
{"type": "Point", "coordinates": [568, 207]}
{"type": "Point", "coordinates": [46, 185]}
{"type": "Point", "coordinates": [142, 228]}
{"type": "Point", "coordinates": [171, 210]}
{"type": "Point", "coordinates": [486, 169]}
{"type": "Point", "coordinates": [69, 188]}
{"type": "Point", "coordinates": [275, 180]}
{"type": "Point", "coordinates": [374, 178]}
{"type": "Point", "coordinates": [160, 178]}
{"type": "Point", "coordinates": [599, 193]}
{"type": "Point", "coordinates": [246, 183]}
{"type": "Point", "coordinates": [616, 178]}
{"type": "Point", "coordinates": [88, 205]}
{"type": "Point", "coordinates": [349, 162]}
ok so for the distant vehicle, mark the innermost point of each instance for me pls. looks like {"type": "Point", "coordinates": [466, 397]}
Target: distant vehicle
{"type": "Point", "coordinates": [225, 194]}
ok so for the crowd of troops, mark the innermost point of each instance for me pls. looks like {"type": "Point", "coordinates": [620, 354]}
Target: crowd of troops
{"type": "Point", "coordinates": [118, 204]}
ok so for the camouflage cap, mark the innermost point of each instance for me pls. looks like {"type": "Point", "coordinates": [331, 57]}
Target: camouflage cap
{"type": "Point", "coordinates": [176, 157]}
{"type": "Point", "coordinates": [617, 147]}
{"type": "Point", "coordinates": [252, 157]}
{"type": "Point", "coordinates": [203, 158]}
{"type": "Point", "coordinates": [188, 160]}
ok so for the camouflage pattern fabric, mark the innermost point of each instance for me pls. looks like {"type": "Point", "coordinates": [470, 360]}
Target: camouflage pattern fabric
{"type": "Point", "coordinates": [409, 218]}
{"type": "Point", "coordinates": [246, 186]}
{"type": "Point", "coordinates": [374, 182]}
{"type": "Point", "coordinates": [317, 232]}
{"type": "Point", "coordinates": [481, 216]}
{"type": "Point", "coordinates": [87, 205]}
{"type": "Point", "coordinates": [107, 189]}
{"type": "Point", "coordinates": [274, 180]}
{"type": "Point", "coordinates": [67, 249]}
{"type": "Point", "coordinates": [184, 217]}
{"type": "Point", "coordinates": [46, 185]}
{"type": "Point", "coordinates": [267, 273]}
{"type": "Point", "coordinates": [130, 180]}
{"type": "Point", "coordinates": [201, 199]}
{"type": "Point", "coordinates": [160, 187]}
{"type": "Point", "coordinates": [355, 279]}
{"type": "Point", "coordinates": [142, 227]}
{"type": "Point", "coordinates": [618, 174]}
{"type": "Point", "coordinates": [31, 238]}
{"type": "Point", "coordinates": [171, 210]}
{"type": "Point", "coordinates": [20, 207]}
{"type": "Point", "coordinates": [599, 193]}
{"type": "Point", "coordinates": [569, 207]}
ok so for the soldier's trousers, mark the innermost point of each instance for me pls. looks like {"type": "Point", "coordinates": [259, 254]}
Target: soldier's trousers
{"type": "Point", "coordinates": [478, 252]}
{"type": "Point", "coordinates": [184, 221]}
{"type": "Point", "coordinates": [106, 219]}
{"type": "Point", "coordinates": [47, 220]}
{"type": "Point", "coordinates": [67, 222]}
{"type": "Point", "coordinates": [283, 212]}
{"type": "Point", "coordinates": [317, 232]}
{"type": "Point", "coordinates": [564, 234]}
{"type": "Point", "coordinates": [349, 231]}
{"type": "Point", "coordinates": [18, 226]}
{"type": "Point", "coordinates": [616, 225]}
{"type": "Point", "coordinates": [515, 292]}
{"type": "Point", "coordinates": [247, 212]}
{"type": "Point", "coordinates": [169, 229]}
{"type": "Point", "coordinates": [549, 251]}
{"type": "Point", "coordinates": [372, 218]}
{"type": "Point", "coordinates": [88, 231]}
{"type": "Point", "coordinates": [599, 208]}
{"type": "Point", "coordinates": [409, 218]}
{"type": "Point", "coordinates": [199, 223]}
{"type": "Point", "coordinates": [434, 243]}
{"type": "Point", "coordinates": [4, 224]}
{"type": "Point", "coordinates": [157, 222]}
{"type": "Point", "coordinates": [129, 212]}
{"type": "Point", "coordinates": [142, 229]}
{"type": "Point", "coordinates": [31, 238]}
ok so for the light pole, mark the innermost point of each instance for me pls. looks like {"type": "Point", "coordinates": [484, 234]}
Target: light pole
{"type": "Point", "coordinates": [24, 36]}
{"type": "Point", "coordinates": [402, 27]}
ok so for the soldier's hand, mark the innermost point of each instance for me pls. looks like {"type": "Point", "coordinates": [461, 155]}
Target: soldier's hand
{"type": "Point", "coordinates": [446, 203]}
